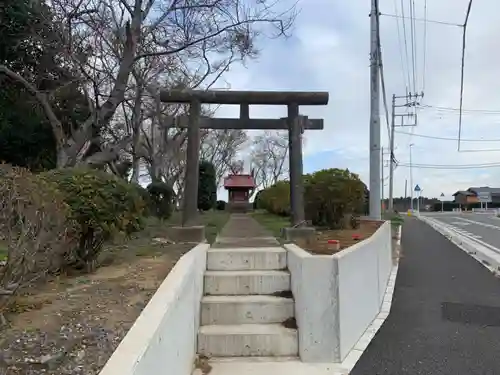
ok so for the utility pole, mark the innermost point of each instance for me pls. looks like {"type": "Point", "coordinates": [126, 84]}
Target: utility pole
{"type": "Point", "coordinates": [411, 179]}
{"type": "Point", "coordinates": [375, 154]}
{"type": "Point", "coordinates": [382, 175]}
{"type": "Point", "coordinates": [382, 166]}
{"type": "Point", "coordinates": [411, 101]}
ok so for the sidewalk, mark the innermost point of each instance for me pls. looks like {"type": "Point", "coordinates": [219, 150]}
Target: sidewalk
{"type": "Point", "coordinates": [445, 315]}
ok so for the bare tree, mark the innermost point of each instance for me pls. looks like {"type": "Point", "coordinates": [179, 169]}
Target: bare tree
{"type": "Point", "coordinates": [220, 147]}
{"type": "Point", "coordinates": [269, 155]}
{"type": "Point", "coordinates": [107, 43]}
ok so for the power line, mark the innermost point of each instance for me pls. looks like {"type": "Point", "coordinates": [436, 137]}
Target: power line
{"type": "Point", "coordinates": [462, 72]}
{"type": "Point", "coordinates": [406, 44]}
{"type": "Point", "coordinates": [413, 44]}
{"type": "Point", "coordinates": [451, 109]}
{"type": "Point", "coordinates": [382, 80]}
{"type": "Point", "coordinates": [400, 44]}
{"type": "Point", "coordinates": [446, 138]}
{"type": "Point", "coordinates": [450, 166]}
{"type": "Point", "coordinates": [425, 45]}
{"type": "Point", "coordinates": [422, 20]}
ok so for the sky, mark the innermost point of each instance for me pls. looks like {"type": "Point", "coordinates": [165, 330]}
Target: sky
{"type": "Point", "coordinates": [329, 51]}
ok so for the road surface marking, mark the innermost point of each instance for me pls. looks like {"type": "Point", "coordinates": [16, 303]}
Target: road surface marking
{"type": "Point", "coordinates": [496, 227]}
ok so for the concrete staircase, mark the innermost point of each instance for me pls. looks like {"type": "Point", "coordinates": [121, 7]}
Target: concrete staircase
{"type": "Point", "coordinates": [247, 304]}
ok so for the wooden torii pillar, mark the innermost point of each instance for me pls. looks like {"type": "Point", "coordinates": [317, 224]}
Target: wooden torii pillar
{"type": "Point", "coordinates": [295, 124]}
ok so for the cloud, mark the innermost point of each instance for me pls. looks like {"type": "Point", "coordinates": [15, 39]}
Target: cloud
{"type": "Point", "coordinates": [329, 51]}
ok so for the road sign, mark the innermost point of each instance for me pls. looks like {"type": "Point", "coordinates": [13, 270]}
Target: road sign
{"type": "Point", "coordinates": [417, 188]}
{"type": "Point", "coordinates": [484, 197]}
{"type": "Point", "coordinates": [442, 194]}
{"type": "Point", "coordinates": [441, 198]}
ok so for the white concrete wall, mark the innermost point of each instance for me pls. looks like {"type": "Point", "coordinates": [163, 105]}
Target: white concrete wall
{"type": "Point", "coordinates": [363, 272]}
{"type": "Point", "coordinates": [163, 338]}
{"type": "Point", "coordinates": [337, 297]}
{"type": "Point", "coordinates": [314, 287]}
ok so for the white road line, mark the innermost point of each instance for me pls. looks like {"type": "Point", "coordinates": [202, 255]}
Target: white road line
{"type": "Point", "coordinates": [460, 223]}
{"type": "Point", "coordinates": [496, 227]}
{"type": "Point", "coordinates": [463, 231]}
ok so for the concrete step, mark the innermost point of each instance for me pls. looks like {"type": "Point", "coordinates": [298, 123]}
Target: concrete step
{"type": "Point", "coordinates": [247, 340]}
{"type": "Point", "coordinates": [245, 309]}
{"type": "Point", "coordinates": [245, 282]}
{"type": "Point", "coordinates": [259, 258]}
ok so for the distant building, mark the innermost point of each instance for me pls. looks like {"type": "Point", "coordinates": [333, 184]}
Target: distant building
{"type": "Point", "coordinates": [471, 195]}
{"type": "Point", "coordinates": [240, 188]}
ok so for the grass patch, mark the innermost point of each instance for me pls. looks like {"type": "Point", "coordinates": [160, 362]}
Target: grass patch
{"type": "Point", "coordinates": [395, 218]}
{"type": "Point", "coordinates": [273, 223]}
{"type": "Point", "coordinates": [3, 251]}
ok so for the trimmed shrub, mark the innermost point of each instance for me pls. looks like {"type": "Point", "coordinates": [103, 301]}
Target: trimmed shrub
{"type": "Point", "coordinates": [161, 196]}
{"type": "Point", "coordinates": [276, 199]}
{"type": "Point", "coordinates": [207, 186]}
{"type": "Point", "coordinates": [36, 229]}
{"type": "Point", "coordinates": [257, 204]}
{"type": "Point", "coordinates": [101, 204]}
{"type": "Point", "coordinates": [332, 197]}
{"type": "Point", "coordinates": [220, 205]}
{"type": "Point", "coordinates": [146, 197]}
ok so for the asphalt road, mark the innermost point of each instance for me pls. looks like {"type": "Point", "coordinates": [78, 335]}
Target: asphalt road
{"type": "Point", "coordinates": [481, 226]}
{"type": "Point", "coordinates": [445, 315]}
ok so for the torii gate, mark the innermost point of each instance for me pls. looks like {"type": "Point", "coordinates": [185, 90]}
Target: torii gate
{"type": "Point", "coordinates": [295, 123]}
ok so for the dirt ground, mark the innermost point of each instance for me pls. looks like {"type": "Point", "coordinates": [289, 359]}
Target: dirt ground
{"type": "Point", "coordinates": [345, 236]}
{"type": "Point", "coordinates": [72, 324]}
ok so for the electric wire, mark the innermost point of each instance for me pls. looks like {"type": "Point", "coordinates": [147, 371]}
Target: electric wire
{"type": "Point", "coordinates": [445, 138]}
{"type": "Point", "coordinates": [451, 109]}
{"type": "Point", "coordinates": [422, 20]}
{"type": "Point", "coordinates": [405, 72]}
{"type": "Point", "coordinates": [405, 41]}
{"type": "Point", "coordinates": [382, 80]}
{"type": "Point", "coordinates": [425, 46]}
{"type": "Point", "coordinates": [462, 73]}
{"type": "Point", "coordinates": [413, 44]}
{"type": "Point", "coordinates": [450, 166]}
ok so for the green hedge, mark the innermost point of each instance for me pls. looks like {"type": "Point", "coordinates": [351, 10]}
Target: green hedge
{"type": "Point", "coordinates": [332, 198]}
{"type": "Point", "coordinates": [207, 186]}
{"type": "Point", "coordinates": [276, 199]}
{"type": "Point", "coordinates": [101, 204]}
{"type": "Point", "coordinates": [161, 199]}
{"type": "Point", "coordinates": [220, 205]}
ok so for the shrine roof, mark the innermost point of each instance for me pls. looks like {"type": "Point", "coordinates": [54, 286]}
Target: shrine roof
{"type": "Point", "coordinates": [239, 181]}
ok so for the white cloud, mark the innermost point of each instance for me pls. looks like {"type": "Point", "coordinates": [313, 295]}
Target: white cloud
{"type": "Point", "coordinates": [329, 52]}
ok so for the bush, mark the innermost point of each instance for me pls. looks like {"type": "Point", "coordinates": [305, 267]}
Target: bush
{"type": "Point", "coordinates": [35, 225]}
{"type": "Point", "coordinates": [101, 204]}
{"type": "Point", "coordinates": [333, 197]}
{"type": "Point", "coordinates": [207, 186]}
{"type": "Point", "coordinates": [276, 199]}
{"type": "Point", "coordinates": [257, 204]}
{"type": "Point", "coordinates": [146, 198]}
{"type": "Point", "coordinates": [161, 196]}
{"type": "Point", "coordinates": [220, 205]}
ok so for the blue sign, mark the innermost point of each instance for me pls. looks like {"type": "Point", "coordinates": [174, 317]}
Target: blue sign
{"type": "Point", "coordinates": [417, 188]}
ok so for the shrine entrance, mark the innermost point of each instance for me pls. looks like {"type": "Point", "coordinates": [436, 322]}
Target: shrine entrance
{"type": "Point", "coordinates": [294, 123]}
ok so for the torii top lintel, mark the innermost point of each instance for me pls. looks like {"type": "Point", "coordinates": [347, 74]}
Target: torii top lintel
{"type": "Point", "coordinates": [245, 97]}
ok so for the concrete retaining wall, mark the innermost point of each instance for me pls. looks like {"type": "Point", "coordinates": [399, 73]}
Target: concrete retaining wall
{"type": "Point", "coordinates": [337, 297]}
{"type": "Point", "coordinates": [163, 338]}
